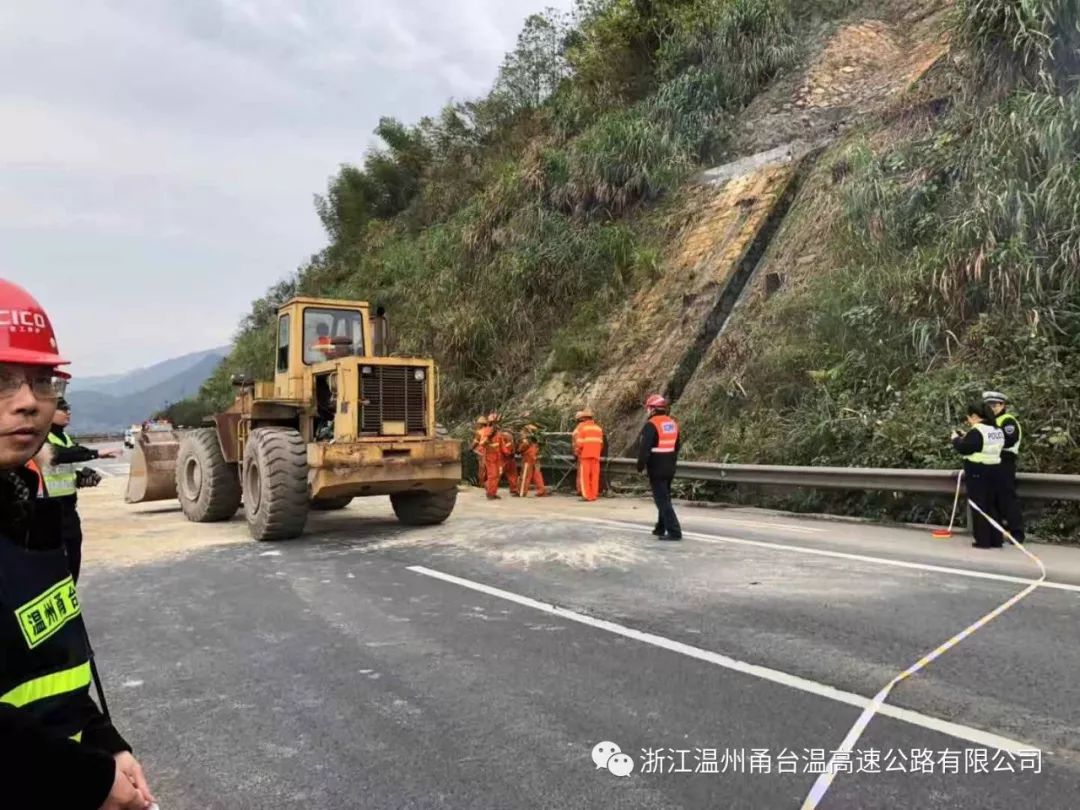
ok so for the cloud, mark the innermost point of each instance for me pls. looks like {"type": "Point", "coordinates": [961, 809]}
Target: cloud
{"type": "Point", "coordinates": [159, 158]}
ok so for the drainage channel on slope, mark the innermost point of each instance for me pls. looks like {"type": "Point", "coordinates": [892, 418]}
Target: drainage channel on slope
{"type": "Point", "coordinates": [744, 272]}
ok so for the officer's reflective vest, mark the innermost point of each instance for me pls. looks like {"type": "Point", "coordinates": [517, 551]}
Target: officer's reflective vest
{"type": "Point", "coordinates": [993, 445]}
{"type": "Point", "coordinates": [44, 656]}
{"type": "Point", "coordinates": [1001, 420]}
{"type": "Point", "coordinates": [60, 478]}
{"type": "Point", "coordinates": [667, 432]}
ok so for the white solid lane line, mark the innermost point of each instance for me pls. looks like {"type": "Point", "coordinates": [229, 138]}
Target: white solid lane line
{"type": "Point", "coordinates": [763, 524]}
{"type": "Point", "coordinates": [843, 555]}
{"type": "Point", "coordinates": [974, 735]}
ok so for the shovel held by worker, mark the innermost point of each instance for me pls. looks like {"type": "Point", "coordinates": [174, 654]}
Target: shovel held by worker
{"type": "Point", "coordinates": [525, 478]}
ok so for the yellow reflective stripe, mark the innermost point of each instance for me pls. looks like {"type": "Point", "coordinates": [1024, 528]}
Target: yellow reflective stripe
{"type": "Point", "coordinates": [66, 443]}
{"type": "Point", "coordinates": [77, 737]}
{"type": "Point", "coordinates": [61, 481]}
{"type": "Point", "coordinates": [47, 686]}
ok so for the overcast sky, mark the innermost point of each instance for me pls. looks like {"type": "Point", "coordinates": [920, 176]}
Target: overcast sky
{"type": "Point", "coordinates": [158, 158]}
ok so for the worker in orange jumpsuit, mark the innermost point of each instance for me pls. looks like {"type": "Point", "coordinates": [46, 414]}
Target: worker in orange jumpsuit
{"type": "Point", "coordinates": [529, 447]}
{"type": "Point", "coordinates": [491, 444]}
{"type": "Point", "coordinates": [588, 448]}
{"type": "Point", "coordinates": [510, 467]}
{"type": "Point", "coordinates": [478, 449]}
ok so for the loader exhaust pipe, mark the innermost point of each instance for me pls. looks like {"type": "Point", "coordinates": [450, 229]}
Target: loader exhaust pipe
{"type": "Point", "coordinates": [380, 327]}
{"type": "Point", "coordinates": [152, 476]}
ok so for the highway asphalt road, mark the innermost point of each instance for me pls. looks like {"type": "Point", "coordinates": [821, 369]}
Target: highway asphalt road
{"type": "Point", "coordinates": [477, 664]}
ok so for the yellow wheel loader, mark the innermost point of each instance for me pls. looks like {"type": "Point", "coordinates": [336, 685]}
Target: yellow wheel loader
{"type": "Point", "coordinates": [340, 420]}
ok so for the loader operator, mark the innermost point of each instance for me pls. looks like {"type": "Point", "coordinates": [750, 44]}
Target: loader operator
{"type": "Point", "coordinates": [322, 339]}
{"type": "Point", "coordinates": [57, 748]}
{"type": "Point", "coordinates": [61, 481]}
{"type": "Point", "coordinates": [325, 347]}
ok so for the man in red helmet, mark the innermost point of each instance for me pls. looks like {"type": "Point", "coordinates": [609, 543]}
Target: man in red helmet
{"type": "Point", "coordinates": [57, 748]}
{"type": "Point", "coordinates": [658, 454]}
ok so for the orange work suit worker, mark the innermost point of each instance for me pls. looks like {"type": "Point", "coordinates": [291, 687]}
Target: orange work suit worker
{"type": "Point", "coordinates": [491, 445]}
{"type": "Point", "coordinates": [588, 448]}
{"type": "Point", "coordinates": [530, 458]}
{"type": "Point", "coordinates": [478, 449]}
{"type": "Point", "coordinates": [510, 467]}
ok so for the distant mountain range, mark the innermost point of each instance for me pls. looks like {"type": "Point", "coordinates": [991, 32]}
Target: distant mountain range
{"type": "Point", "coordinates": [116, 401]}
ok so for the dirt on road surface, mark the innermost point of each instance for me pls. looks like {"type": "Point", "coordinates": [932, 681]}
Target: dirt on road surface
{"type": "Point", "coordinates": [119, 534]}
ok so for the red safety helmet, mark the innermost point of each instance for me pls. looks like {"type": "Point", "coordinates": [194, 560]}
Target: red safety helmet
{"type": "Point", "coordinates": [656, 401]}
{"type": "Point", "coordinates": [26, 335]}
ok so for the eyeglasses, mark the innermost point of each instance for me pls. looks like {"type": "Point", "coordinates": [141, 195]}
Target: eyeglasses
{"type": "Point", "coordinates": [44, 385]}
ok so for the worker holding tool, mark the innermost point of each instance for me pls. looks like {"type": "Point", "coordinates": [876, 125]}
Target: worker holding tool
{"type": "Point", "coordinates": [57, 748]}
{"type": "Point", "coordinates": [62, 481]}
{"type": "Point", "coordinates": [658, 456]}
{"type": "Point", "coordinates": [509, 460]}
{"type": "Point", "coordinates": [1010, 501]}
{"type": "Point", "coordinates": [531, 475]}
{"type": "Point", "coordinates": [981, 448]}
{"type": "Point", "coordinates": [478, 449]}
{"type": "Point", "coordinates": [588, 442]}
{"type": "Point", "coordinates": [492, 445]}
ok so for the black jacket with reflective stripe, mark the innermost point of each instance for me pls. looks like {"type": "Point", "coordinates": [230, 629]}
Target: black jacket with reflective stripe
{"type": "Point", "coordinates": [39, 637]}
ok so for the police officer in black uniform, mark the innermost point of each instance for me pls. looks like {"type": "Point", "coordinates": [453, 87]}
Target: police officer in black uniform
{"type": "Point", "coordinates": [57, 748]}
{"type": "Point", "coordinates": [982, 446]}
{"type": "Point", "coordinates": [62, 480]}
{"type": "Point", "coordinates": [1010, 502]}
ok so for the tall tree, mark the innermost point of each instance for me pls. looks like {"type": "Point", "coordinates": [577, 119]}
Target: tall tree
{"type": "Point", "coordinates": [535, 68]}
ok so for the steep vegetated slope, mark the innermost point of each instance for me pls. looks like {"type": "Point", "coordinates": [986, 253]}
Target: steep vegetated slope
{"type": "Point", "coordinates": [502, 232]}
{"type": "Point", "coordinates": [932, 253]}
{"type": "Point", "coordinates": [892, 226]}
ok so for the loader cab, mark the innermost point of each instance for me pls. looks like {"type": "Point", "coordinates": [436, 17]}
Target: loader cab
{"type": "Point", "coordinates": [312, 333]}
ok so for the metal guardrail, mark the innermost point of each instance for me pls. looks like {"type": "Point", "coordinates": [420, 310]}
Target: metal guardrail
{"type": "Point", "coordinates": [1030, 485]}
{"type": "Point", "coordinates": [90, 438]}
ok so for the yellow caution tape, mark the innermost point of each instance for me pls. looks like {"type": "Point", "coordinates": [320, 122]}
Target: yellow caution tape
{"type": "Point", "coordinates": [821, 786]}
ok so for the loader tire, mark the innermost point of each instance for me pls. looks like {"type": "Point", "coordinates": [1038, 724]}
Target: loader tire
{"type": "Point", "coordinates": [275, 483]}
{"type": "Point", "coordinates": [424, 508]}
{"type": "Point", "coordinates": [331, 504]}
{"type": "Point", "coordinates": [207, 485]}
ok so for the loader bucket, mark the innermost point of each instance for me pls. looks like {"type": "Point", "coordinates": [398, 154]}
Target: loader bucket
{"type": "Point", "coordinates": [152, 476]}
